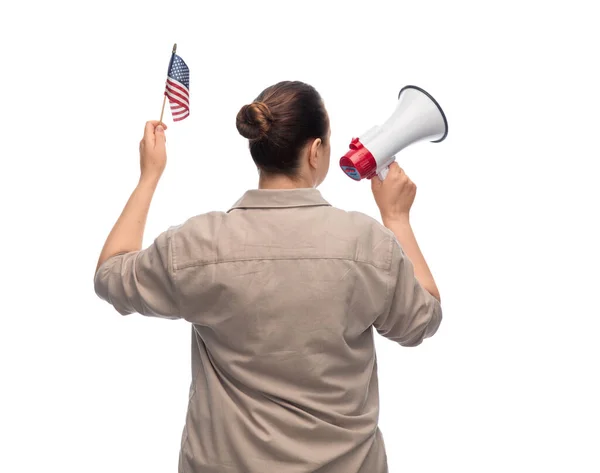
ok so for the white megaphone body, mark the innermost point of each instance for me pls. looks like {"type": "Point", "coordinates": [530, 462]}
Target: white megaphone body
{"type": "Point", "coordinates": [417, 117]}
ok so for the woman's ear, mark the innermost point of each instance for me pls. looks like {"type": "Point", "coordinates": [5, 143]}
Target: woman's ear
{"type": "Point", "coordinates": [313, 155]}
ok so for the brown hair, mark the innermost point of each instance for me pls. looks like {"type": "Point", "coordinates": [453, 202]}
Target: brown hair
{"type": "Point", "coordinates": [280, 121]}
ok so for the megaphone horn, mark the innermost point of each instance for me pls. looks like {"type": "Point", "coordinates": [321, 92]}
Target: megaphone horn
{"type": "Point", "coordinates": [417, 117]}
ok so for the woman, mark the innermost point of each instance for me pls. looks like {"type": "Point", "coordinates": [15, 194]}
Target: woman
{"type": "Point", "coordinates": [282, 292]}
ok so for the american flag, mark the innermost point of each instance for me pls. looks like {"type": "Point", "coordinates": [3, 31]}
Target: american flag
{"type": "Point", "coordinates": [177, 89]}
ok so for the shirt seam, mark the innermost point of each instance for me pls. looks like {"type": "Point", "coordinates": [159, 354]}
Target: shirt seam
{"type": "Point", "coordinates": [236, 260]}
{"type": "Point", "coordinates": [174, 271]}
{"type": "Point", "coordinates": [392, 281]}
{"type": "Point", "coordinates": [274, 206]}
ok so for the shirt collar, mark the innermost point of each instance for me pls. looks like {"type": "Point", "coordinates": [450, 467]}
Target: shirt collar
{"type": "Point", "coordinates": [280, 198]}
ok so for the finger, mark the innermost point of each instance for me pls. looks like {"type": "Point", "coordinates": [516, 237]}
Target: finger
{"type": "Point", "coordinates": [376, 182]}
{"type": "Point", "coordinates": [160, 138]}
{"type": "Point", "coordinates": [395, 166]}
{"type": "Point", "coordinates": [395, 171]}
{"type": "Point", "coordinates": [155, 123]}
{"type": "Point", "coordinates": [149, 133]}
{"type": "Point", "coordinates": [149, 130]}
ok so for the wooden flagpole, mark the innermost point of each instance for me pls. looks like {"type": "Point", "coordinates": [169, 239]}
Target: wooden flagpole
{"type": "Point", "coordinates": [165, 95]}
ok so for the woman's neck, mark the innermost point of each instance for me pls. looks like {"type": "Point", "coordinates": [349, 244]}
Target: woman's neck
{"type": "Point", "coordinates": [282, 182]}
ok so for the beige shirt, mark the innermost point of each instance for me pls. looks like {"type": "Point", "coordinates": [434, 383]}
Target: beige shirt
{"type": "Point", "coordinates": [282, 292]}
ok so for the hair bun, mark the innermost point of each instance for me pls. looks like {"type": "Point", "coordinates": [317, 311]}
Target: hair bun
{"type": "Point", "coordinates": [254, 120]}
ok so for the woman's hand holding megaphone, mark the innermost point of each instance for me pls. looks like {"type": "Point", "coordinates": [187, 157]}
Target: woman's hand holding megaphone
{"type": "Point", "coordinates": [394, 195]}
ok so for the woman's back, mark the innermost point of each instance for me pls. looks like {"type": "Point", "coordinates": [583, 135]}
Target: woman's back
{"type": "Point", "coordinates": [283, 291]}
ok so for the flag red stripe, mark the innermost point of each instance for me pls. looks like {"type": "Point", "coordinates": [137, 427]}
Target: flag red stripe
{"type": "Point", "coordinates": [177, 101]}
{"type": "Point", "coordinates": [177, 85]}
{"type": "Point", "coordinates": [176, 95]}
{"type": "Point", "coordinates": [177, 119]}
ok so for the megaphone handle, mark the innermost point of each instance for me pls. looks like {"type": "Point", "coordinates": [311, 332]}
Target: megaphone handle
{"type": "Point", "coordinates": [383, 173]}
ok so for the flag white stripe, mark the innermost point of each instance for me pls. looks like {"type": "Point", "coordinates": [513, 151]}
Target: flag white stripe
{"type": "Point", "coordinates": [174, 93]}
{"type": "Point", "coordinates": [182, 91]}
{"type": "Point", "coordinates": [184, 102]}
{"type": "Point", "coordinates": [179, 100]}
{"type": "Point", "coordinates": [180, 118]}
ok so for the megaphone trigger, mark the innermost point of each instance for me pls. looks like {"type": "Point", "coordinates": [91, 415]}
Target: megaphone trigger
{"type": "Point", "coordinates": [383, 173]}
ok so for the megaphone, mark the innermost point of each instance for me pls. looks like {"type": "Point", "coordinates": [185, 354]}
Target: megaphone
{"type": "Point", "coordinates": [417, 117]}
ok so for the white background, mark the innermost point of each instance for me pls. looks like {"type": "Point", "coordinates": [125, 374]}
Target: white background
{"type": "Point", "coordinates": [506, 215]}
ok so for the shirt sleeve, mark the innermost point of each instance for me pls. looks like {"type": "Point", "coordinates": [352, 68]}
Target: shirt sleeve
{"type": "Point", "coordinates": [141, 281]}
{"type": "Point", "coordinates": [412, 314]}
